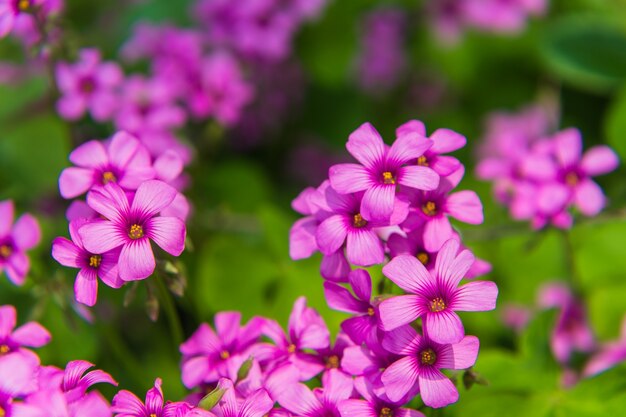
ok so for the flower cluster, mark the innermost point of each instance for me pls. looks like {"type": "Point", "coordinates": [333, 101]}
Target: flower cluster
{"type": "Point", "coordinates": [131, 200]}
{"type": "Point", "coordinates": [541, 176]}
{"type": "Point", "coordinates": [394, 206]}
{"type": "Point", "coordinates": [15, 239]}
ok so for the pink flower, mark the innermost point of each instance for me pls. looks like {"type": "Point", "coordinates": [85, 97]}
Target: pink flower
{"type": "Point", "coordinates": [76, 382]}
{"type": "Point", "coordinates": [436, 296]}
{"type": "Point", "coordinates": [30, 334]}
{"type": "Point", "coordinates": [381, 170]}
{"type": "Point", "coordinates": [609, 355]}
{"type": "Point", "coordinates": [14, 12]}
{"type": "Point", "coordinates": [421, 363]}
{"type": "Point", "coordinates": [72, 253]}
{"type": "Point", "coordinates": [15, 240]}
{"type": "Point", "coordinates": [133, 226]}
{"type": "Point", "coordinates": [257, 404]}
{"type": "Point", "coordinates": [124, 161]}
{"type": "Point", "coordinates": [18, 378]}
{"type": "Point", "coordinates": [88, 84]}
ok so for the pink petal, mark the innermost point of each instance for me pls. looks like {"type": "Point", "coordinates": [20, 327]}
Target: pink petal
{"type": "Point", "coordinates": [451, 268]}
{"type": "Point", "coordinates": [412, 126]}
{"type": "Point", "coordinates": [257, 405]}
{"type": "Point", "coordinates": [90, 155]}
{"type": "Point", "coordinates": [109, 270]}
{"type": "Point", "coordinates": [436, 389]}
{"type": "Point", "coordinates": [136, 260]}
{"type": "Point", "coordinates": [475, 296]}
{"type": "Point", "coordinates": [589, 198]}
{"type": "Point", "coordinates": [65, 252]}
{"type": "Point", "coordinates": [314, 337]}
{"type": "Point", "coordinates": [568, 146]}
{"type": "Point", "coordinates": [152, 197]}
{"type": "Point", "coordinates": [364, 248]}
{"type": "Point", "coordinates": [339, 298]}
{"type": "Point", "coordinates": [538, 168]}
{"type": "Point", "coordinates": [337, 386]}
{"type": "Point", "coordinates": [446, 140]}
{"type": "Point", "coordinates": [75, 181]}
{"type": "Point", "coordinates": [123, 148]}
{"type": "Point", "coordinates": [465, 206]}
{"type": "Point", "coordinates": [194, 371]}
{"type": "Point", "coordinates": [444, 165]}
{"type": "Point", "coordinates": [348, 408]}
{"type": "Point", "coordinates": [408, 147]}
{"type": "Point", "coordinates": [408, 273]}
{"type": "Point", "coordinates": [366, 145]}
{"type": "Point", "coordinates": [127, 403]}
{"type": "Point", "coordinates": [26, 232]}
{"type": "Point", "coordinates": [460, 355]}
{"type": "Point", "coordinates": [400, 377]}
{"type": "Point", "coordinates": [169, 165]}
{"type": "Point", "coordinates": [17, 267]}
{"type": "Point", "coordinates": [101, 236]}
{"type": "Point", "coordinates": [167, 232]}
{"type": "Point", "coordinates": [17, 373]}
{"type": "Point", "coordinates": [331, 234]}
{"type": "Point", "coordinates": [299, 399]}
{"type": "Point", "coordinates": [109, 202]}
{"type": "Point", "coordinates": [7, 320]}
{"type": "Point", "coordinates": [227, 326]}
{"type": "Point", "coordinates": [436, 231]}
{"type": "Point", "coordinates": [86, 286]}
{"type": "Point", "coordinates": [378, 203]}
{"type": "Point", "coordinates": [349, 178]}
{"type": "Point", "coordinates": [418, 177]}
{"type": "Point", "coordinates": [599, 160]}
{"type": "Point", "coordinates": [400, 310]}
{"type": "Point", "coordinates": [71, 106]}
{"type": "Point", "coordinates": [444, 327]}
{"type": "Point", "coordinates": [31, 334]}
{"type": "Point", "coordinates": [202, 341]}
{"type": "Point", "coordinates": [154, 399]}
{"type": "Point", "coordinates": [335, 267]}
{"type": "Point", "coordinates": [135, 176]}
{"type": "Point", "coordinates": [403, 341]}
{"type": "Point", "coordinates": [552, 198]}
{"type": "Point", "coordinates": [361, 284]}
{"type": "Point", "coordinates": [6, 217]}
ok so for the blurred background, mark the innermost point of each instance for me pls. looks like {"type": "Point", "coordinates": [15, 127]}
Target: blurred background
{"type": "Point", "coordinates": [385, 62]}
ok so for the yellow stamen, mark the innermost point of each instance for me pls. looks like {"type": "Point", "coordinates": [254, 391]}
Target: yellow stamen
{"type": "Point", "coordinates": [358, 221]}
{"type": "Point", "coordinates": [135, 232]}
{"type": "Point", "coordinates": [2, 412]}
{"type": "Point", "coordinates": [437, 304]}
{"type": "Point", "coordinates": [370, 311]}
{"type": "Point", "coordinates": [4, 349]}
{"type": "Point", "coordinates": [388, 178]}
{"type": "Point", "coordinates": [428, 357]}
{"type": "Point", "coordinates": [5, 251]}
{"type": "Point", "coordinates": [422, 161]}
{"type": "Point", "coordinates": [108, 177]}
{"type": "Point", "coordinates": [153, 415]}
{"type": "Point", "coordinates": [386, 412]}
{"type": "Point", "coordinates": [23, 5]}
{"type": "Point", "coordinates": [291, 348]}
{"type": "Point", "coordinates": [224, 354]}
{"type": "Point", "coordinates": [423, 257]}
{"type": "Point", "coordinates": [332, 362]}
{"type": "Point", "coordinates": [572, 179]}
{"type": "Point", "coordinates": [95, 260]}
{"type": "Point", "coordinates": [430, 208]}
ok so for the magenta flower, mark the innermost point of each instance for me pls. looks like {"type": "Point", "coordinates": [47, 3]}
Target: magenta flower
{"type": "Point", "coordinates": [18, 378]}
{"type": "Point", "coordinates": [576, 170]}
{"type": "Point", "coordinates": [381, 170]}
{"type": "Point", "coordinates": [124, 161]}
{"type": "Point", "coordinates": [443, 141]}
{"type": "Point", "coordinates": [15, 239]}
{"type": "Point", "coordinates": [209, 356]}
{"type": "Point", "coordinates": [12, 11]}
{"type": "Point", "coordinates": [257, 404]}
{"type": "Point", "coordinates": [435, 206]}
{"type": "Point", "coordinates": [76, 382]}
{"type": "Point", "coordinates": [436, 296]}
{"type": "Point", "coordinates": [127, 404]}
{"type": "Point", "coordinates": [608, 355]}
{"type": "Point", "coordinates": [88, 84]}
{"type": "Point", "coordinates": [72, 253]}
{"type": "Point", "coordinates": [421, 364]}
{"type": "Point", "coordinates": [502, 16]}
{"type": "Point", "coordinates": [133, 226]}
{"type": "Point", "coordinates": [30, 334]}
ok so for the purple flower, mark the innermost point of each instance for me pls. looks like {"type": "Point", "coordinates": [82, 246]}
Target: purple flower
{"type": "Point", "coordinates": [443, 141]}
{"type": "Point", "coordinates": [76, 382]}
{"type": "Point", "coordinates": [575, 169]}
{"type": "Point", "coordinates": [608, 355]}
{"type": "Point", "coordinates": [30, 334]}
{"type": "Point", "coordinates": [14, 12]}
{"type": "Point", "coordinates": [124, 161]}
{"type": "Point", "coordinates": [504, 16]}
{"type": "Point", "coordinates": [436, 296]}
{"type": "Point", "coordinates": [362, 328]}
{"type": "Point", "coordinates": [15, 239]}
{"type": "Point", "coordinates": [257, 404]}
{"type": "Point", "coordinates": [133, 226]}
{"type": "Point", "coordinates": [421, 364]}
{"type": "Point", "coordinates": [382, 170]}
{"type": "Point", "coordinates": [72, 253]}
{"type": "Point", "coordinates": [209, 356]}
{"type": "Point", "coordinates": [127, 404]}
{"type": "Point", "coordinates": [18, 378]}
{"type": "Point", "coordinates": [88, 84]}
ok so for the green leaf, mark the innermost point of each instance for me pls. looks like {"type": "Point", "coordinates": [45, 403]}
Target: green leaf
{"type": "Point", "coordinates": [586, 51]}
{"type": "Point", "coordinates": [615, 124]}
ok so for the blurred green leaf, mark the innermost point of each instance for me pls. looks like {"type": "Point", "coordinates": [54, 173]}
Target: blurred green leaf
{"type": "Point", "coordinates": [615, 124]}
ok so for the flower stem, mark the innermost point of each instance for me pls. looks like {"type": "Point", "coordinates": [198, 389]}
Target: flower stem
{"type": "Point", "coordinates": [169, 307]}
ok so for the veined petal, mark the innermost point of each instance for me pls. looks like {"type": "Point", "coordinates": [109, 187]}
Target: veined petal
{"type": "Point", "coordinates": [407, 147]}
{"type": "Point", "coordinates": [86, 286]}
{"type": "Point", "coordinates": [444, 165]}
{"type": "Point", "coordinates": [475, 296]}
{"type": "Point", "coordinates": [599, 160]}
{"type": "Point", "coordinates": [451, 266]}
{"type": "Point", "coordinates": [154, 399]}
{"type": "Point", "coordinates": [418, 177]}
{"type": "Point", "coordinates": [31, 334]}
{"type": "Point", "coordinates": [331, 234]}
{"type": "Point", "coordinates": [335, 267]}
{"type": "Point", "coordinates": [363, 248]}
{"type": "Point", "coordinates": [90, 155]}
{"type": "Point", "coordinates": [136, 260]}
{"type": "Point", "coordinates": [361, 284]}
{"type": "Point", "coordinates": [65, 252]}
{"type": "Point", "coordinates": [436, 389]}
{"type": "Point", "coordinates": [403, 341]}
{"type": "Point", "coordinates": [102, 202]}
{"type": "Point", "coordinates": [446, 140]}
{"type": "Point", "coordinates": [409, 274]}
{"type": "Point", "coordinates": [361, 408]}
{"type": "Point", "coordinates": [378, 203]}
{"type": "Point", "coordinates": [400, 377]}
{"type": "Point", "coordinates": [127, 404]}
{"type": "Point", "coordinates": [101, 236]}
{"type": "Point", "coordinates": [339, 298]}
{"type": "Point", "coordinates": [465, 206]}
{"type": "Point", "coordinates": [349, 178]}
{"type": "Point", "coordinates": [167, 232]}
{"type": "Point", "coordinates": [299, 399]}
{"type": "Point", "coordinates": [436, 231]}
{"type": "Point", "coordinates": [400, 310]}
{"type": "Point", "coordinates": [444, 327]}
{"type": "Point", "coordinates": [152, 197]}
{"type": "Point", "coordinates": [366, 145]}
{"type": "Point", "coordinates": [75, 181]}
{"type": "Point", "coordinates": [460, 355]}
{"type": "Point", "coordinates": [26, 232]}
{"type": "Point", "coordinates": [256, 405]}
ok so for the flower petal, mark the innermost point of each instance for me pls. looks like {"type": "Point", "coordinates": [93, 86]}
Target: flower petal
{"type": "Point", "coordinates": [436, 231]}
{"type": "Point", "coordinates": [444, 327]}
{"type": "Point", "coordinates": [26, 232]}
{"type": "Point", "coordinates": [451, 268]}
{"type": "Point", "coordinates": [75, 181]}
{"type": "Point", "coordinates": [167, 232]}
{"type": "Point", "coordinates": [407, 147]}
{"type": "Point", "coordinates": [101, 236]}
{"type": "Point", "coordinates": [412, 126]}
{"type": "Point", "coordinates": [366, 145]}
{"type": "Point", "coordinates": [400, 377]}
{"type": "Point", "coordinates": [122, 148]}
{"type": "Point", "coordinates": [65, 252]}
{"type": "Point", "coordinates": [364, 248]}
{"type": "Point", "coordinates": [31, 334]}
{"type": "Point", "coordinates": [568, 146]}
{"type": "Point", "coordinates": [460, 355]}
{"type": "Point", "coordinates": [6, 217]}
{"type": "Point", "coordinates": [418, 177]}
{"type": "Point", "coordinates": [465, 206]}
{"type": "Point", "coordinates": [409, 274]}
{"type": "Point", "coordinates": [90, 155]}
{"type": "Point", "coordinates": [436, 389]}
{"type": "Point", "coordinates": [361, 284]}
{"type": "Point", "coordinates": [359, 408]}
{"type": "Point", "coordinates": [378, 203]}
{"type": "Point", "coordinates": [335, 267]}
{"type": "Point", "coordinates": [136, 260]}
{"type": "Point", "coordinates": [340, 299]}
{"type": "Point", "coordinates": [589, 198]}
{"type": "Point", "coordinates": [86, 286]}
{"type": "Point", "coordinates": [599, 160]}
{"type": "Point", "coordinates": [400, 310]}
{"type": "Point", "coordinates": [349, 178]}
{"type": "Point", "coordinates": [331, 234]}
{"type": "Point", "coordinates": [446, 140]}
{"type": "Point", "coordinates": [403, 341]}
{"type": "Point", "coordinates": [475, 296]}
{"type": "Point", "coordinates": [8, 317]}
{"type": "Point", "coordinates": [152, 197]}
{"type": "Point", "coordinates": [127, 404]}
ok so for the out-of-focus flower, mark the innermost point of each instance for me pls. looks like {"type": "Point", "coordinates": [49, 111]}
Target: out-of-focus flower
{"type": "Point", "coordinates": [609, 355]}
{"type": "Point", "coordinates": [15, 239]}
{"type": "Point", "coordinates": [30, 334]}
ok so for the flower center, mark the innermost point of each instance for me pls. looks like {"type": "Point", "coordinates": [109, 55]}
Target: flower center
{"type": "Point", "coordinates": [2, 412]}
{"type": "Point", "coordinates": [153, 415]}
{"type": "Point", "coordinates": [87, 85]}
{"type": "Point", "coordinates": [422, 161]}
{"type": "Point", "coordinates": [430, 208]}
{"type": "Point", "coordinates": [370, 311]}
{"type": "Point", "coordinates": [108, 177]}
{"type": "Point", "coordinates": [5, 251]}
{"type": "Point", "coordinates": [385, 412]}
{"type": "Point", "coordinates": [332, 362]}
{"type": "Point", "coordinates": [224, 354]}
{"type": "Point", "coordinates": [388, 178]}
{"type": "Point", "coordinates": [571, 179]}
{"type": "Point", "coordinates": [358, 221]}
{"type": "Point", "coordinates": [4, 349]}
{"type": "Point", "coordinates": [23, 5]}
{"type": "Point", "coordinates": [437, 304]}
{"type": "Point", "coordinates": [135, 232]}
{"type": "Point", "coordinates": [95, 260]}
{"type": "Point", "coordinates": [291, 348]}
{"type": "Point", "coordinates": [428, 357]}
{"type": "Point", "coordinates": [422, 257]}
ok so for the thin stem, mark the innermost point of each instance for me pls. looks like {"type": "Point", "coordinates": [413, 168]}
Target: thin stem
{"type": "Point", "coordinates": [570, 261]}
{"type": "Point", "coordinates": [169, 307]}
